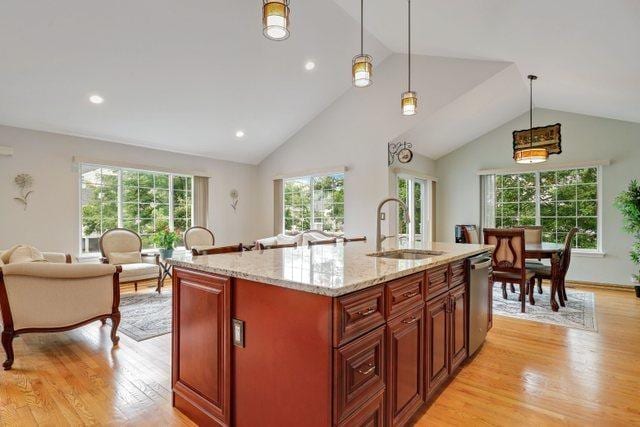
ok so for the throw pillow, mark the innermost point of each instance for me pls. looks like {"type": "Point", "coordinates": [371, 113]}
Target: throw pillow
{"type": "Point", "coordinates": [119, 258]}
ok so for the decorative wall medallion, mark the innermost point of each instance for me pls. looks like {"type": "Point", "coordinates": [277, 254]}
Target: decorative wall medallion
{"type": "Point", "coordinates": [24, 181]}
{"type": "Point", "coordinates": [234, 199]}
{"type": "Point", "coordinates": [401, 150]}
{"type": "Point", "coordinates": [548, 137]}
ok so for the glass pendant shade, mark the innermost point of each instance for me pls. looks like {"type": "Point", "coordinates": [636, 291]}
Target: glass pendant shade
{"type": "Point", "coordinates": [275, 19]}
{"type": "Point", "coordinates": [529, 156]}
{"type": "Point", "coordinates": [362, 70]}
{"type": "Point", "coordinates": [409, 103]}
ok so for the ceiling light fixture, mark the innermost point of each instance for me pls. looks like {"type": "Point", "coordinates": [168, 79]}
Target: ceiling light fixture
{"type": "Point", "coordinates": [362, 65]}
{"type": "Point", "coordinates": [310, 65]}
{"type": "Point", "coordinates": [275, 19]}
{"type": "Point", "coordinates": [409, 100]}
{"type": "Point", "coordinates": [96, 99]}
{"type": "Point", "coordinates": [530, 155]}
{"type": "Point", "coordinates": [240, 134]}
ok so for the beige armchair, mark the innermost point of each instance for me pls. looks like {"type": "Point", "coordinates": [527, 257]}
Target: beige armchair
{"type": "Point", "coordinates": [123, 247]}
{"type": "Point", "coordinates": [198, 239]}
{"type": "Point", "coordinates": [54, 297]}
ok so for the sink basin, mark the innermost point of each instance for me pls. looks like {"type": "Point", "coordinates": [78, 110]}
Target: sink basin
{"type": "Point", "coordinates": [407, 254]}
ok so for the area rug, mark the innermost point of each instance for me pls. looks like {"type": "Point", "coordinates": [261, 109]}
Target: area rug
{"type": "Point", "coordinates": [145, 315]}
{"type": "Point", "coordinates": [579, 312]}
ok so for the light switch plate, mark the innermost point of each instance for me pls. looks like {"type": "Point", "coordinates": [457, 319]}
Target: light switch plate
{"type": "Point", "coordinates": [238, 332]}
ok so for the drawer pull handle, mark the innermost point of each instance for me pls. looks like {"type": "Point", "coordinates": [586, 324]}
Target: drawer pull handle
{"type": "Point", "coordinates": [410, 320]}
{"type": "Point", "coordinates": [367, 312]}
{"type": "Point", "coordinates": [410, 294]}
{"type": "Point", "coordinates": [370, 368]}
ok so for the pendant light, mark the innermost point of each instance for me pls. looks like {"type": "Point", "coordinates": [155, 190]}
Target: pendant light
{"type": "Point", "coordinates": [275, 19]}
{"type": "Point", "coordinates": [530, 154]}
{"type": "Point", "coordinates": [362, 66]}
{"type": "Point", "coordinates": [409, 100]}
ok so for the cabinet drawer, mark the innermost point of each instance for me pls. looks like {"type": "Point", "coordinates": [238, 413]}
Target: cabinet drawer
{"type": "Point", "coordinates": [404, 294]}
{"type": "Point", "coordinates": [370, 415]}
{"type": "Point", "coordinates": [437, 281]}
{"type": "Point", "coordinates": [359, 373]}
{"type": "Point", "coordinates": [458, 274]}
{"type": "Point", "coordinates": [358, 313]}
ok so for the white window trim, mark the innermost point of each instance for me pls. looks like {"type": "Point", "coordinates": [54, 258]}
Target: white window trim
{"type": "Point", "coordinates": [88, 256]}
{"type": "Point", "coordinates": [425, 203]}
{"type": "Point", "coordinates": [599, 252]}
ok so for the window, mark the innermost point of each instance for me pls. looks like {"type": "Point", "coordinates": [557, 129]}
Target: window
{"type": "Point", "coordinates": [141, 201]}
{"type": "Point", "coordinates": [413, 192]}
{"type": "Point", "coordinates": [558, 200]}
{"type": "Point", "coordinates": [314, 202]}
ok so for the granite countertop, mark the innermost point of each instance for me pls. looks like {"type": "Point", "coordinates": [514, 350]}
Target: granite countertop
{"type": "Point", "coordinates": [330, 270]}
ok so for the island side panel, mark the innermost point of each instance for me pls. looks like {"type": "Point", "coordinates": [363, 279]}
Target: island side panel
{"type": "Point", "coordinates": [283, 374]}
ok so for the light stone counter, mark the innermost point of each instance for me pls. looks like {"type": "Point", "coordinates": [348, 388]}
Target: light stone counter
{"type": "Point", "coordinates": [330, 270]}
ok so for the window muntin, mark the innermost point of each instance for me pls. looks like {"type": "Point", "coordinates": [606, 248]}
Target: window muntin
{"type": "Point", "coordinates": [141, 201]}
{"type": "Point", "coordinates": [314, 202]}
{"type": "Point", "coordinates": [558, 200]}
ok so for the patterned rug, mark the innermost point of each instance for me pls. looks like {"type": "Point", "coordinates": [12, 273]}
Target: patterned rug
{"type": "Point", "coordinates": [145, 315]}
{"type": "Point", "coordinates": [579, 312]}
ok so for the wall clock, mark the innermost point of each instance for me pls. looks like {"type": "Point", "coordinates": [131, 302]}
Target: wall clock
{"type": "Point", "coordinates": [405, 155]}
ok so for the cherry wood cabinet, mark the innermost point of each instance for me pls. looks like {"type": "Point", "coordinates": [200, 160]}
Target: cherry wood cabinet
{"type": "Point", "coordinates": [437, 343]}
{"type": "Point", "coordinates": [201, 347]}
{"type": "Point", "coordinates": [458, 326]}
{"type": "Point", "coordinates": [405, 365]}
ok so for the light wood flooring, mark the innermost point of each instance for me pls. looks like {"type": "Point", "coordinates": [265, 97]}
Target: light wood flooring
{"type": "Point", "coordinates": [527, 373]}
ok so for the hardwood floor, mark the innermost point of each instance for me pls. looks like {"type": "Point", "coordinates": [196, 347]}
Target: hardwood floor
{"type": "Point", "coordinates": [527, 373]}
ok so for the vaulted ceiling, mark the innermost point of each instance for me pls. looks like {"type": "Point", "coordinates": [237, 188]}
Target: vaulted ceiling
{"type": "Point", "coordinates": [185, 76]}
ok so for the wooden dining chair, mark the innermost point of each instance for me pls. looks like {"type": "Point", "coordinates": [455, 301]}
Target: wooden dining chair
{"type": "Point", "coordinates": [508, 259]}
{"type": "Point", "coordinates": [284, 245]}
{"type": "Point", "coordinates": [354, 239]}
{"type": "Point", "coordinates": [543, 271]}
{"type": "Point", "coordinates": [323, 242]}
{"type": "Point", "coordinates": [221, 250]}
{"type": "Point", "coordinates": [471, 234]}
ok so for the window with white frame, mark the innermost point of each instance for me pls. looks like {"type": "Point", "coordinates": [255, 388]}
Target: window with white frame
{"type": "Point", "coordinates": [314, 202]}
{"type": "Point", "coordinates": [557, 199]}
{"type": "Point", "coordinates": [139, 200]}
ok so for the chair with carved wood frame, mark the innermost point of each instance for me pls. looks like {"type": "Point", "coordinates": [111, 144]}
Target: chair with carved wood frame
{"type": "Point", "coordinates": [40, 297]}
{"type": "Point", "coordinates": [263, 247]}
{"type": "Point", "coordinates": [118, 241]}
{"type": "Point", "coordinates": [221, 250]}
{"type": "Point", "coordinates": [471, 234]}
{"type": "Point", "coordinates": [544, 271]}
{"type": "Point", "coordinates": [508, 259]}
{"type": "Point", "coordinates": [533, 235]}
{"type": "Point", "coordinates": [198, 238]}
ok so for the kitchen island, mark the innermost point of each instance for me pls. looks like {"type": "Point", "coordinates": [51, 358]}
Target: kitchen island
{"type": "Point", "coordinates": [318, 336]}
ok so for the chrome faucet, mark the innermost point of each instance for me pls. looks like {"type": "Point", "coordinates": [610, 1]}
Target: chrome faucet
{"type": "Point", "coordinates": [379, 237]}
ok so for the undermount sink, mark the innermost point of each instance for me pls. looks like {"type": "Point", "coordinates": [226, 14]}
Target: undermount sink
{"type": "Point", "coordinates": [407, 254]}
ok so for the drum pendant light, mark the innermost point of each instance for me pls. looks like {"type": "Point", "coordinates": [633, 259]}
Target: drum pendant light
{"type": "Point", "coordinates": [530, 155]}
{"type": "Point", "coordinates": [409, 100]}
{"type": "Point", "coordinates": [275, 19]}
{"type": "Point", "coordinates": [362, 65]}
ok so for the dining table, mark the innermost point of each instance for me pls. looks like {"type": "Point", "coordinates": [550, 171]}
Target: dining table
{"type": "Point", "coordinates": [553, 252]}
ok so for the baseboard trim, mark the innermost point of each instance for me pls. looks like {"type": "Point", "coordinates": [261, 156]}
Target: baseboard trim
{"type": "Point", "coordinates": [611, 286]}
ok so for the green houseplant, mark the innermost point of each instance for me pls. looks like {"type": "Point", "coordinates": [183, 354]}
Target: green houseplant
{"type": "Point", "coordinates": [628, 203]}
{"type": "Point", "coordinates": [165, 241]}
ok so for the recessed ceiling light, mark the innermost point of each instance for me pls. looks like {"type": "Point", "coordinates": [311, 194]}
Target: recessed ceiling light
{"type": "Point", "coordinates": [96, 99]}
{"type": "Point", "coordinates": [240, 134]}
{"type": "Point", "coordinates": [310, 65]}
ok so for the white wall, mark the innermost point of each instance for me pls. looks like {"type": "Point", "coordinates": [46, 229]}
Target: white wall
{"type": "Point", "coordinates": [51, 221]}
{"type": "Point", "coordinates": [584, 138]}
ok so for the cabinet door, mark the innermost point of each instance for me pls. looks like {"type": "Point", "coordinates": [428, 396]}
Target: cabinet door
{"type": "Point", "coordinates": [371, 414]}
{"type": "Point", "coordinates": [405, 365]}
{"type": "Point", "coordinates": [201, 370]}
{"type": "Point", "coordinates": [458, 326]}
{"type": "Point", "coordinates": [437, 343]}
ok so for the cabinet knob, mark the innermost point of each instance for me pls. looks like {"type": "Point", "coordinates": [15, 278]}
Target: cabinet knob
{"type": "Point", "coordinates": [370, 367]}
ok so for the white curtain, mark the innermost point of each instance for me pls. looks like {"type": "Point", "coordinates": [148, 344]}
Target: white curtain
{"type": "Point", "coordinates": [487, 202]}
{"type": "Point", "coordinates": [200, 200]}
{"type": "Point", "coordinates": [278, 206]}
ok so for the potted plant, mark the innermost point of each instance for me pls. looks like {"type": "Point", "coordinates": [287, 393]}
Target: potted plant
{"type": "Point", "coordinates": [165, 241]}
{"type": "Point", "coordinates": [628, 203]}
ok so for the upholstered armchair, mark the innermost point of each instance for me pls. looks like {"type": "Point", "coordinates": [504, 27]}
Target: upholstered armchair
{"type": "Point", "coordinates": [56, 297]}
{"type": "Point", "coordinates": [123, 247]}
{"type": "Point", "coordinates": [198, 239]}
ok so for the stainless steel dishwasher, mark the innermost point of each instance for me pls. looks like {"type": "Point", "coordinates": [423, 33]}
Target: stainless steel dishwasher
{"type": "Point", "coordinates": [479, 271]}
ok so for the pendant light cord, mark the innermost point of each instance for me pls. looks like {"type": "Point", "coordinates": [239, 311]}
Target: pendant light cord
{"type": "Point", "coordinates": [531, 111]}
{"type": "Point", "coordinates": [361, 27]}
{"type": "Point", "coordinates": [409, 50]}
